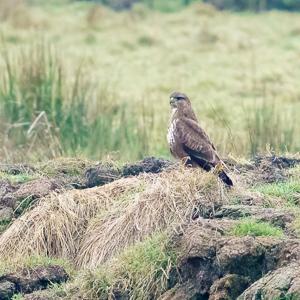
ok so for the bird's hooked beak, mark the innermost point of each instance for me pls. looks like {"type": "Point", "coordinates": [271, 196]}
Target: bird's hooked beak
{"type": "Point", "coordinates": [173, 102]}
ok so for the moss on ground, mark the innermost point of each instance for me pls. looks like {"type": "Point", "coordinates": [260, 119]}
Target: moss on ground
{"type": "Point", "coordinates": [253, 227]}
{"type": "Point", "coordinates": [17, 178]}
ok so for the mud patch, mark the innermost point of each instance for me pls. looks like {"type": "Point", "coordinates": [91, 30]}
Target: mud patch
{"type": "Point", "coordinates": [101, 174]}
{"type": "Point", "coordinates": [147, 165]}
{"type": "Point", "coordinates": [106, 173]}
{"type": "Point", "coordinates": [213, 265]}
{"type": "Point", "coordinates": [267, 169]}
{"type": "Point", "coordinates": [29, 280]}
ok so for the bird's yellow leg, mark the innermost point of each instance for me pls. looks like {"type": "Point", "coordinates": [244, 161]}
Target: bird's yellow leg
{"type": "Point", "coordinates": [219, 168]}
{"type": "Point", "coordinates": [184, 161]}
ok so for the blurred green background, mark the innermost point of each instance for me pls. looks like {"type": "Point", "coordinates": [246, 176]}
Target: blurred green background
{"type": "Point", "coordinates": [173, 5]}
{"type": "Point", "coordinates": [92, 78]}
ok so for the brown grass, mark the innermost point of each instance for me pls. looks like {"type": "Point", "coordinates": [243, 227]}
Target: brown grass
{"type": "Point", "coordinates": [170, 199]}
{"type": "Point", "coordinates": [55, 226]}
{"type": "Point", "coordinates": [90, 226]}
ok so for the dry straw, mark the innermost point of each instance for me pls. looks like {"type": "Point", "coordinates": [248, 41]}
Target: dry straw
{"type": "Point", "coordinates": [169, 199]}
{"type": "Point", "coordinates": [91, 226]}
{"type": "Point", "coordinates": [54, 227]}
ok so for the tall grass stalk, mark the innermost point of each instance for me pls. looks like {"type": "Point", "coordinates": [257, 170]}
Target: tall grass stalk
{"type": "Point", "coordinates": [270, 127]}
{"type": "Point", "coordinates": [45, 114]}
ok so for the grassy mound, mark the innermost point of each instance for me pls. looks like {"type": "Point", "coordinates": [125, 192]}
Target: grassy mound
{"type": "Point", "coordinates": [92, 225]}
{"type": "Point", "coordinates": [55, 225]}
{"type": "Point", "coordinates": [168, 199]}
{"type": "Point", "coordinates": [177, 233]}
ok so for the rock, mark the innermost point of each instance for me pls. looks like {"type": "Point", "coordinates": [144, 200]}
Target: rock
{"type": "Point", "coordinates": [241, 255]}
{"type": "Point", "coordinates": [6, 214]}
{"type": "Point", "coordinates": [29, 280]}
{"type": "Point", "coordinates": [213, 264]}
{"type": "Point", "coordinates": [185, 291]}
{"type": "Point", "coordinates": [7, 289]}
{"type": "Point", "coordinates": [228, 287]}
{"type": "Point", "coordinates": [284, 283]}
{"type": "Point", "coordinates": [147, 165]}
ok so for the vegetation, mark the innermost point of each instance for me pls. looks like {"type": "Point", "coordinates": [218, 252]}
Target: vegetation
{"type": "Point", "coordinates": [84, 80]}
{"type": "Point", "coordinates": [255, 228]}
{"type": "Point", "coordinates": [289, 190]}
{"type": "Point", "coordinates": [17, 178]}
{"type": "Point", "coordinates": [140, 236]}
{"type": "Point", "coordinates": [80, 92]}
{"type": "Point", "coordinates": [141, 272]}
{"type": "Point", "coordinates": [170, 5]}
{"type": "Point", "coordinates": [9, 265]}
{"type": "Point", "coordinates": [296, 225]}
{"type": "Point", "coordinates": [256, 5]}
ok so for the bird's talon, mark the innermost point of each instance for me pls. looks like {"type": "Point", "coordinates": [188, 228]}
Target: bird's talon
{"type": "Point", "coordinates": [219, 168]}
{"type": "Point", "coordinates": [186, 161]}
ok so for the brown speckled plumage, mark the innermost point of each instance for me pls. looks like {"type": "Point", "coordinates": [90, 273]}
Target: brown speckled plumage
{"type": "Point", "coordinates": [188, 140]}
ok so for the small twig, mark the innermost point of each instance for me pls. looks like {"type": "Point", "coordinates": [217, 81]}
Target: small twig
{"type": "Point", "coordinates": [35, 122]}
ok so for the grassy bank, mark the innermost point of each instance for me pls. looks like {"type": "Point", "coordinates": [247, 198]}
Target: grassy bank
{"type": "Point", "coordinates": [146, 236]}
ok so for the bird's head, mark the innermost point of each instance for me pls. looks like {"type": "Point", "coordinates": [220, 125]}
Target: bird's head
{"type": "Point", "coordinates": [178, 100]}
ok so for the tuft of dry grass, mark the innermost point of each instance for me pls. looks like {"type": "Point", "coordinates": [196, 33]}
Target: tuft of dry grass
{"type": "Point", "coordinates": [91, 226]}
{"type": "Point", "coordinates": [55, 226]}
{"type": "Point", "coordinates": [169, 199]}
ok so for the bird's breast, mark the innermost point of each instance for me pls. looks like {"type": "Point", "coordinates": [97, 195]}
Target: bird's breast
{"type": "Point", "coordinates": [171, 133]}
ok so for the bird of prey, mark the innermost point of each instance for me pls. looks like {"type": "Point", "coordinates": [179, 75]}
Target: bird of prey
{"type": "Point", "coordinates": [189, 142]}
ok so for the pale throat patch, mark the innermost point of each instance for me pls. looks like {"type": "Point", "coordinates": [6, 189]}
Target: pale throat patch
{"type": "Point", "coordinates": [171, 133]}
{"type": "Point", "coordinates": [174, 110]}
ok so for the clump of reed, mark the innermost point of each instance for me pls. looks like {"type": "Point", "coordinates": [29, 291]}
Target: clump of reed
{"type": "Point", "coordinates": [46, 114]}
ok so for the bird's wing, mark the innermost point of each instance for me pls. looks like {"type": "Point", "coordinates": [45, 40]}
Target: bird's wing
{"type": "Point", "coordinates": [196, 143]}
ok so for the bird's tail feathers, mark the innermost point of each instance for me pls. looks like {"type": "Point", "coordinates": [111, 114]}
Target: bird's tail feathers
{"type": "Point", "coordinates": [225, 178]}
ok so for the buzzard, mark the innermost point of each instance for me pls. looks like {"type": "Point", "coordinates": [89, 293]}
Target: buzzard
{"type": "Point", "coordinates": [189, 142]}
